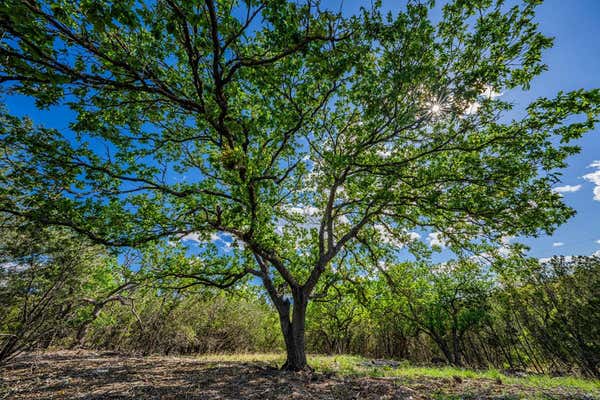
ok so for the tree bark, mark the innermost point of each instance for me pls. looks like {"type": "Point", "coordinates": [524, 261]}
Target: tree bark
{"type": "Point", "coordinates": [456, 350]}
{"type": "Point", "coordinates": [293, 324]}
{"type": "Point", "coordinates": [83, 328]}
{"type": "Point", "coordinates": [294, 333]}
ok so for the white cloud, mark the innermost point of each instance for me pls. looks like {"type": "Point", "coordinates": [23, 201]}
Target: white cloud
{"type": "Point", "coordinates": [191, 237]}
{"type": "Point", "coordinates": [435, 239]}
{"type": "Point", "coordinates": [545, 260]}
{"type": "Point", "coordinates": [594, 177]}
{"type": "Point", "coordinates": [557, 244]}
{"type": "Point", "coordinates": [490, 93]}
{"type": "Point", "coordinates": [445, 267]}
{"type": "Point", "coordinates": [505, 249]}
{"type": "Point", "coordinates": [473, 108]}
{"type": "Point", "coordinates": [598, 241]}
{"type": "Point", "coordinates": [597, 254]}
{"type": "Point", "coordinates": [384, 153]}
{"type": "Point", "coordinates": [309, 215]}
{"type": "Point", "coordinates": [399, 240]}
{"type": "Point", "coordinates": [307, 211]}
{"type": "Point", "coordinates": [566, 189]}
{"type": "Point", "coordinates": [343, 219]}
{"type": "Point", "coordinates": [414, 236]}
{"type": "Point", "coordinates": [382, 265]}
{"type": "Point", "coordinates": [195, 237]}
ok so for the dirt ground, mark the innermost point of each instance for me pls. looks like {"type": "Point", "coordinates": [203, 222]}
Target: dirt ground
{"type": "Point", "coordinates": [103, 375]}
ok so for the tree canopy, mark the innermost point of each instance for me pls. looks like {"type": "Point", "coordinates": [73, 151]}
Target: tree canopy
{"type": "Point", "coordinates": [302, 137]}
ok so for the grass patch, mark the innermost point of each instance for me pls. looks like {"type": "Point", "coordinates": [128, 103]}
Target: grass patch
{"type": "Point", "coordinates": [347, 365]}
{"type": "Point", "coordinates": [351, 365]}
{"type": "Point", "coordinates": [271, 358]}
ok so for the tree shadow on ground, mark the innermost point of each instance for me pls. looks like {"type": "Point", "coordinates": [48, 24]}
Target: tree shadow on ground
{"type": "Point", "coordinates": [95, 376]}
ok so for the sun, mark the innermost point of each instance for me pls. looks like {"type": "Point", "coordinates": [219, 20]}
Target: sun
{"type": "Point", "coordinates": [435, 108]}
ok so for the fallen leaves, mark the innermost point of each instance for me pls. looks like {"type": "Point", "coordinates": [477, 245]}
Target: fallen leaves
{"type": "Point", "coordinates": [96, 376]}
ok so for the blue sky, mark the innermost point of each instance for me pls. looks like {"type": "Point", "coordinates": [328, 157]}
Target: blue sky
{"type": "Point", "coordinates": [574, 63]}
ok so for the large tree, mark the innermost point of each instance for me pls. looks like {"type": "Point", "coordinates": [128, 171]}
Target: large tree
{"type": "Point", "coordinates": [305, 136]}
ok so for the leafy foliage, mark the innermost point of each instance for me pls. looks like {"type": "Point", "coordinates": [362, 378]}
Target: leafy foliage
{"type": "Point", "coordinates": [46, 279]}
{"type": "Point", "coordinates": [544, 319]}
{"type": "Point", "coordinates": [302, 134]}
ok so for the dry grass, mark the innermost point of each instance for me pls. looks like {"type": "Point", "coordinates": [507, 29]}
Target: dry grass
{"type": "Point", "coordinates": [91, 375]}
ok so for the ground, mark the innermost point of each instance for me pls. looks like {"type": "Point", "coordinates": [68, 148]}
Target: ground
{"type": "Point", "coordinates": [105, 375]}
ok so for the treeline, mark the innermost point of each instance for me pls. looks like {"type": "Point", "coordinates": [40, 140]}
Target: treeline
{"type": "Point", "coordinates": [546, 319]}
{"type": "Point", "coordinates": [59, 291]}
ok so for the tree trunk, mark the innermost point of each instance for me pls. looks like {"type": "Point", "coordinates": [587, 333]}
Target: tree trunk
{"type": "Point", "coordinates": [446, 351]}
{"type": "Point", "coordinates": [293, 333]}
{"type": "Point", "coordinates": [456, 350]}
{"type": "Point", "coordinates": [83, 328]}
